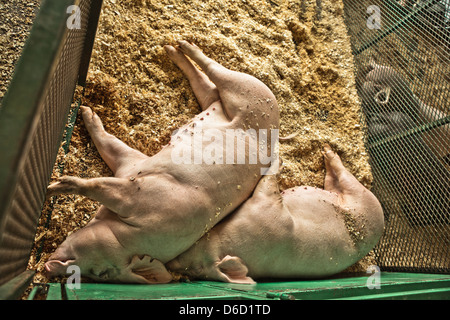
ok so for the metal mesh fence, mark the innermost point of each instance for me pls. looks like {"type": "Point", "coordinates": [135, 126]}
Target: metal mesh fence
{"type": "Point", "coordinates": [32, 119]}
{"type": "Point", "coordinates": [401, 52]}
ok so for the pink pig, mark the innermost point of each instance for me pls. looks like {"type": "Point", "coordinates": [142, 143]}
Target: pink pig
{"type": "Point", "coordinates": [303, 232]}
{"type": "Point", "coordinates": [155, 208]}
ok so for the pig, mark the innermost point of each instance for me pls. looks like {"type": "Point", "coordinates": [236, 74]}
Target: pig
{"type": "Point", "coordinates": [408, 165]}
{"type": "Point", "coordinates": [302, 232]}
{"type": "Point", "coordinates": [391, 107]}
{"type": "Point", "coordinates": [155, 208]}
{"type": "Point", "coordinates": [385, 90]}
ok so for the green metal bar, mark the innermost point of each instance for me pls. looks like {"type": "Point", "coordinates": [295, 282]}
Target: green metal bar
{"type": "Point", "coordinates": [69, 128]}
{"type": "Point", "coordinates": [55, 291]}
{"type": "Point", "coordinates": [420, 269]}
{"type": "Point", "coordinates": [411, 132]}
{"type": "Point", "coordinates": [345, 286]}
{"type": "Point", "coordinates": [179, 291]}
{"type": "Point", "coordinates": [91, 31]}
{"type": "Point", "coordinates": [34, 292]}
{"type": "Point", "coordinates": [68, 136]}
{"type": "Point", "coordinates": [13, 289]}
{"type": "Point", "coordinates": [427, 294]}
{"type": "Point", "coordinates": [391, 286]}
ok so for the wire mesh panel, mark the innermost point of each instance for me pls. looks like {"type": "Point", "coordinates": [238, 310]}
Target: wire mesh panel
{"type": "Point", "coordinates": [32, 119]}
{"type": "Point", "coordinates": [401, 50]}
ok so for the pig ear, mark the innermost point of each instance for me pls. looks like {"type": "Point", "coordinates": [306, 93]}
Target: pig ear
{"type": "Point", "coordinates": [233, 270]}
{"type": "Point", "coordinates": [148, 270]}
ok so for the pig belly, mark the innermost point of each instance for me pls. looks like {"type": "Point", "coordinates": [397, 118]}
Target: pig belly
{"type": "Point", "coordinates": [176, 204]}
{"type": "Point", "coordinates": [314, 206]}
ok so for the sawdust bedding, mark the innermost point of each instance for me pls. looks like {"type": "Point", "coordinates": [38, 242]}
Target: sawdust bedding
{"type": "Point", "coordinates": [16, 19]}
{"type": "Point", "coordinates": [141, 96]}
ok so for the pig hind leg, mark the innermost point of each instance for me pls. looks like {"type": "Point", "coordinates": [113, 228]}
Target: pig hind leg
{"type": "Point", "coordinates": [114, 152]}
{"type": "Point", "coordinates": [236, 90]}
{"type": "Point", "coordinates": [337, 178]}
{"type": "Point", "coordinates": [205, 91]}
{"type": "Point", "coordinates": [356, 200]}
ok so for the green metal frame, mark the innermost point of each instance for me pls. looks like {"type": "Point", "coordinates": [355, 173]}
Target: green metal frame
{"type": "Point", "coordinates": [393, 286]}
{"type": "Point", "coordinates": [411, 132]}
{"type": "Point", "coordinates": [14, 288]}
{"type": "Point", "coordinates": [91, 31]}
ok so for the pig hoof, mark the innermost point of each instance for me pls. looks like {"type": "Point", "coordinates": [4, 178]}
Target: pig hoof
{"type": "Point", "coordinates": [189, 49]}
{"type": "Point", "coordinates": [175, 55]}
{"type": "Point", "coordinates": [327, 149]}
{"type": "Point", "coordinates": [91, 120]}
{"type": "Point", "coordinates": [64, 185]}
{"type": "Point", "coordinates": [328, 153]}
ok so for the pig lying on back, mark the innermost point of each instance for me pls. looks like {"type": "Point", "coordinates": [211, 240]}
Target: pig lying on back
{"type": "Point", "coordinates": [154, 208]}
{"type": "Point", "coordinates": [303, 232]}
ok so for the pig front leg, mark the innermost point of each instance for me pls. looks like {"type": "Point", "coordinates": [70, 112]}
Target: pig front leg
{"type": "Point", "coordinates": [114, 152]}
{"type": "Point", "coordinates": [114, 193]}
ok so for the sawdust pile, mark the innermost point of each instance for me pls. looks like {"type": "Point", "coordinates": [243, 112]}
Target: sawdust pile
{"type": "Point", "coordinates": [141, 96]}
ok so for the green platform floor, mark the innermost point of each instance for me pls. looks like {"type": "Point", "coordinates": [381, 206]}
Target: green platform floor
{"type": "Point", "coordinates": [392, 286]}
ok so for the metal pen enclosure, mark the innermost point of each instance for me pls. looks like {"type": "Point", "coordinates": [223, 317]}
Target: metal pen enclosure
{"type": "Point", "coordinates": [33, 116]}
{"type": "Point", "coordinates": [402, 52]}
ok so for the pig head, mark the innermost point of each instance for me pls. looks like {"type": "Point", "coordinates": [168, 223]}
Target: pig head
{"type": "Point", "coordinates": [99, 255]}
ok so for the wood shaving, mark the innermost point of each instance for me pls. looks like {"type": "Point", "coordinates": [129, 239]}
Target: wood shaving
{"type": "Point", "coordinates": [16, 19]}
